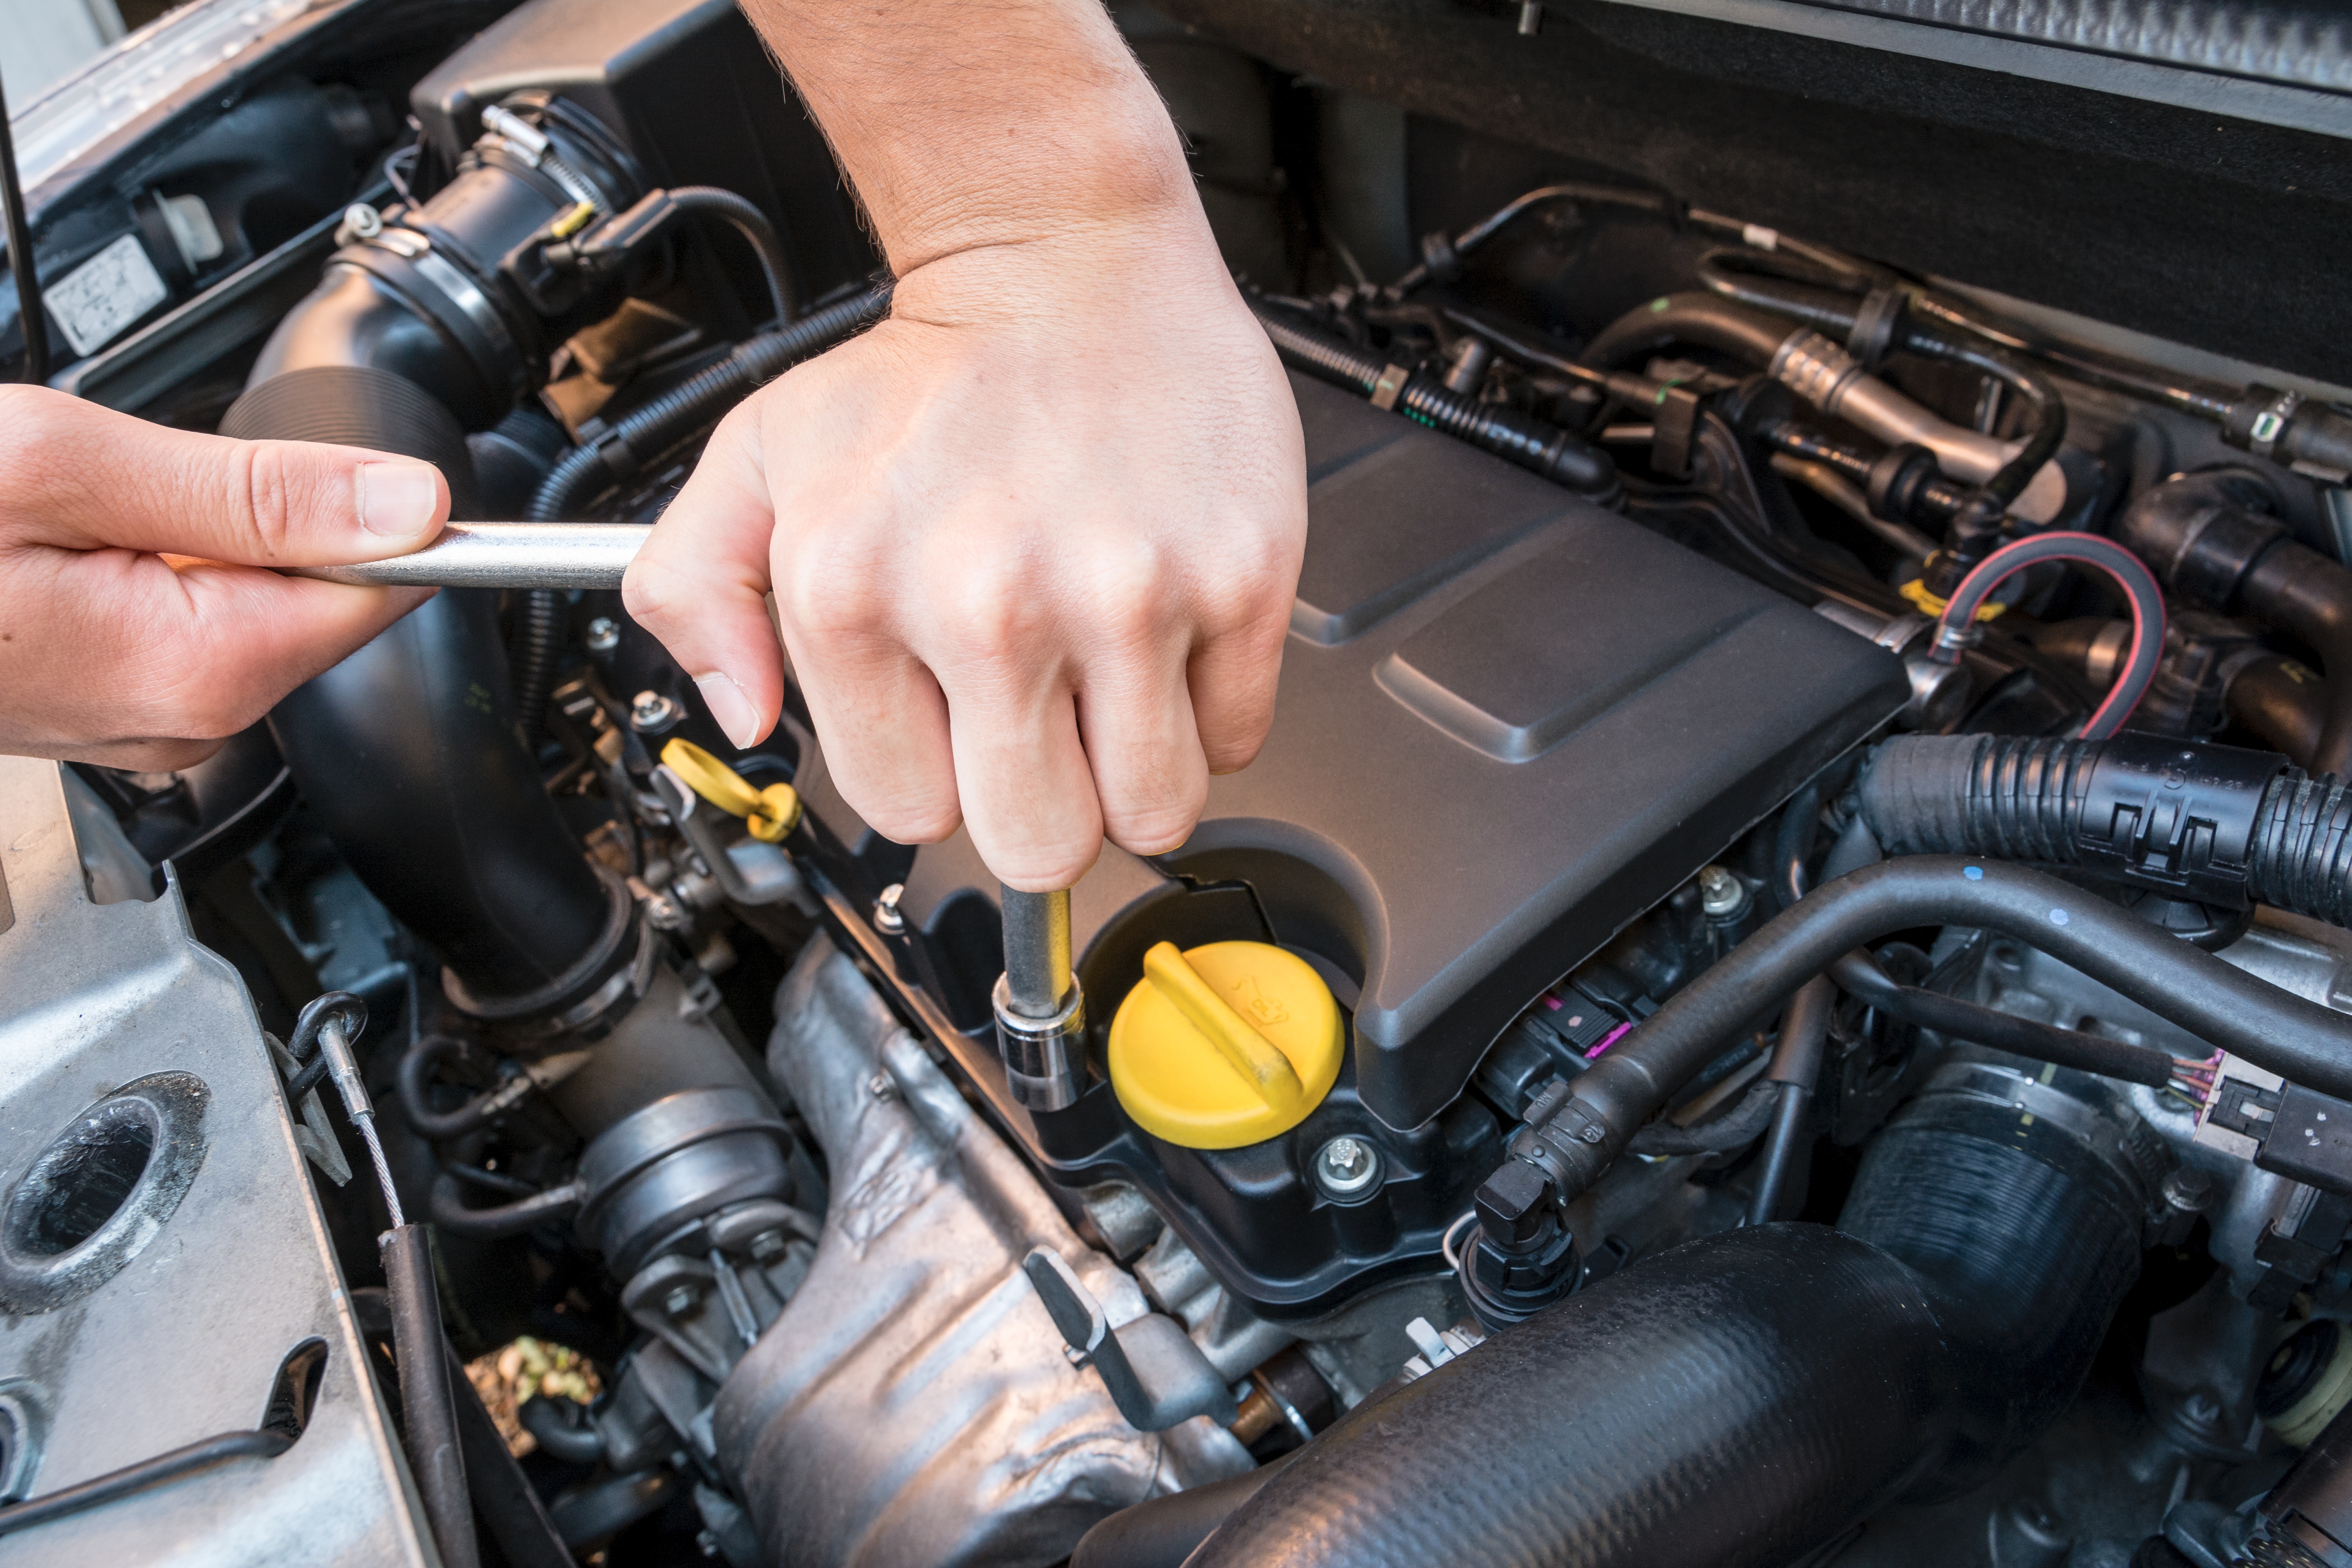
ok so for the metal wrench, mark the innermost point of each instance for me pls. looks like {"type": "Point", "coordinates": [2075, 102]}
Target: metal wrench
{"type": "Point", "coordinates": [504, 555]}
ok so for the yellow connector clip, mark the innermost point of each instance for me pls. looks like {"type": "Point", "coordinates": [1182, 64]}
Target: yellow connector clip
{"type": "Point", "coordinates": [581, 215]}
{"type": "Point", "coordinates": [769, 812]}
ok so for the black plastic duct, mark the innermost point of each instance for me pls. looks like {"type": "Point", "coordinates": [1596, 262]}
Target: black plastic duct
{"type": "Point", "coordinates": [2210, 538]}
{"type": "Point", "coordinates": [406, 750]}
{"type": "Point", "coordinates": [1744, 1398]}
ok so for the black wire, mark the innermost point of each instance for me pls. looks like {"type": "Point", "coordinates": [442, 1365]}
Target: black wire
{"type": "Point", "coordinates": [117, 1484]}
{"type": "Point", "coordinates": [22, 261]}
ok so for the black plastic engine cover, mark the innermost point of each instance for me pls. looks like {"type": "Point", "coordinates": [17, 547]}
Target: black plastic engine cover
{"type": "Point", "coordinates": [1509, 721]}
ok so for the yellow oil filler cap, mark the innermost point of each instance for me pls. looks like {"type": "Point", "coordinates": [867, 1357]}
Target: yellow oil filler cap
{"type": "Point", "coordinates": [1225, 1045]}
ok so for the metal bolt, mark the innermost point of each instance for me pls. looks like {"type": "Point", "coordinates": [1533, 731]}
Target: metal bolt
{"type": "Point", "coordinates": [604, 635]}
{"type": "Point", "coordinates": [1347, 1166]}
{"type": "Point", "coordinates": [361, 221]}
{"type": "Point", "coordinates": [681, 1299]}
{"type": "Point", "coordinates": [651, 712]}
{"type": "Point", "coordinates": [767, 1246]}
{"type": "Point", "coordinates": [2189, 1190]}
{"type": "Point", "coordinates": [2201, 1408]}
{"type": "Point", "coordinates": [1721, 893]}
{"type": "Point", "coordinates": [880, 1087]}
{"type": "Point", "coordinates": [888, 918]}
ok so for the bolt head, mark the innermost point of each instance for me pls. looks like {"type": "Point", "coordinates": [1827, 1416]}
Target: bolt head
{"type": "Point", "coordinates": [604, 635]}
{"type": "Point", "coordinates": [1721, 893]}
{"type": "Point", "coordinates": [652, 710]}
{"type": "Point", "coordinates": [768, 1245]}
{"type": "Point", "coordinates": [887, 917]}
{"type": "Point", "coordinates": [1347, 1166]}
{"type": "Point", "coordinates": [681, 1299]}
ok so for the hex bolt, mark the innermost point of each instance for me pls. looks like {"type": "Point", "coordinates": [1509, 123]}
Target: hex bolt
{"type": "Point", "coordinates": [650, 714]}
{"type": "Point", "coordinates": [888, 918]}
{"type": "Point", "coordinates": [767, 1246]}
{"type": "Point", "coordinates": [681, 1299]}
{"type": "Point", "coordinates": [1721, 893]}
{"type": "Point", "coordinates": [1346, 1167]}
{"type": "Point", "coordinates": [2189, 1190]}
{"type": "Point", "coordinates": [604, 635]}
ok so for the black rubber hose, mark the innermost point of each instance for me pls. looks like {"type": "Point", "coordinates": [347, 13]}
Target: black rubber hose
{"type": "Point", "coordinates": [1162, 1532]}
{"type": "Point", "coordinates": [1744, 1399]}
{"type": "Point", "coordinates": [1796, 1068]}
{"type": "Point", "coordinates": [427, 1407]}
{"type": "Point", "coordinates": [1863, 976]}
{"type": "Point", "coordinates": [1530, 442]}
{"type": "Point", "coordinates": [538, 645]}
{"type": "Point", "coordinates": [747, 220]}
{"type": "Point", "coordinates": [2210, 538]}
{"type": "Point", "coordinates": [413, 1081]}
{"type": "Point", "coordinates": [2212, 1000]}
{"type": "Point", "coordinates": [448, 1203]}
{"type": "Point", "coordinates": [574, 1444]}
{"type": "Point", "coordinates": [647, 432]}
{"type": "Point", "coordinates": [408, 742]}
{"type": "Point", "coordinates": [1732, 1403]}
{"type": "Point", "coordinates": [2281, 701]}
{"type": "Point", "coordinates": [1700, 320]}
{"type": "Point", "coordinates": [2216, 824]}
{"type": "Point", "coordinates": [1734, 1129]}
{"type": "Point", "coordinates": [2025, 1237]}
{"type": "Point", "coordinates": [200, 1454]}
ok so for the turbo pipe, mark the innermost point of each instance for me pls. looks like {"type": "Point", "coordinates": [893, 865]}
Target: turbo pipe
{"type": "Point", "coordinates": [1830, 379]}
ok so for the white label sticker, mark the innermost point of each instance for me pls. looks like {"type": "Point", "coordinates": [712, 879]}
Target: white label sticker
{"type": "Point", "coordinates": [106, 294]}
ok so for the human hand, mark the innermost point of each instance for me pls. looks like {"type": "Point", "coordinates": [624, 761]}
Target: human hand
{"type": "Point", "coordinates": [139, 625]}
{"type": "Point", "coordinates": [1033, 542]}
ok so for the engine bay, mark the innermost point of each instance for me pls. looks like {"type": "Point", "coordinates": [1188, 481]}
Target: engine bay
{"type": "Point", "coordinates": [1775, 996]}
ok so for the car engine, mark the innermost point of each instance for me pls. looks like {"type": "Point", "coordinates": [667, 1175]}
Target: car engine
{"type": "Point", "coordinates": [1778, 994]}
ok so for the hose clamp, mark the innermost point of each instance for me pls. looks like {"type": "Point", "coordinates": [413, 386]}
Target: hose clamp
{"type": "Point", "coordinates": [2262, 436]}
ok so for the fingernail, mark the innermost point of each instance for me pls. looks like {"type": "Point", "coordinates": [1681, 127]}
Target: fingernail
{"type": "Point", "coordinates": [398, 500]}
{"type": "Point", "coordinates": [729, 706]}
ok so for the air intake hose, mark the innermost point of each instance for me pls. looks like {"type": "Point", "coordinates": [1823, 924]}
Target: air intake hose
{"type": "Point", "coordinates": [406, 750]}
{"type": "Point", "coordinates": [1742, 1399]}
{"type": "Point", "coordinates": [2216, 824]}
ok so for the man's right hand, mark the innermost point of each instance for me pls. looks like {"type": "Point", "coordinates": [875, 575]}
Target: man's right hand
{"type": "Point", "coordinates": [139, 624]}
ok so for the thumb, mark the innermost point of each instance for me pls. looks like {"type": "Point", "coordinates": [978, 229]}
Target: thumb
{"type": "Point", "coordinates": [83, 477]}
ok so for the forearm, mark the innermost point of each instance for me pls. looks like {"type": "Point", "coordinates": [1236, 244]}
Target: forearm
{"type": "Point", "coordinates": [971, 123]}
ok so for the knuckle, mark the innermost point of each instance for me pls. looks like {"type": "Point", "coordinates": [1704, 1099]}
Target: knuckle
{"type": "Point", "coordinates": [259, 470]}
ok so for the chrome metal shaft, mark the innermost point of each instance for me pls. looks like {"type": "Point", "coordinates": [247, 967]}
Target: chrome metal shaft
{"type": "Point", "coordinates": [504, 555]}
{"type": "Point", "coordinates": [1037, 951]}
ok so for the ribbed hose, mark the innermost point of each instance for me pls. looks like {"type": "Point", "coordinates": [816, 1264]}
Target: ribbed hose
{"type": "Point", "coordinates": [1743, 1399]}
{"type": "Point", "coordinates": [2248, 820]}
{"type": "Point", "coordinates": [538, 640]}
{"type": "Point", "coordinates": [1526, 440]}
{"type": "Point", "coordinates": [675, 415]}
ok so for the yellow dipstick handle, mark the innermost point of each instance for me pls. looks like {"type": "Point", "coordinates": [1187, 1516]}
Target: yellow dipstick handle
{"type": "Point", "coordinates": [1262, 1067]}
{"type": "Point", "coordinates": [769, 812]}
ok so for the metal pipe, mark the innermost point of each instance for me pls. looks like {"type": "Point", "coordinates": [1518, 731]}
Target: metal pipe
{"type": "Point", "coordinates": [1832, 381]}
{"type": "Point", "coordinates": [504, 555]}
{"type": "Point", "coordinates": [1037, 951]}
